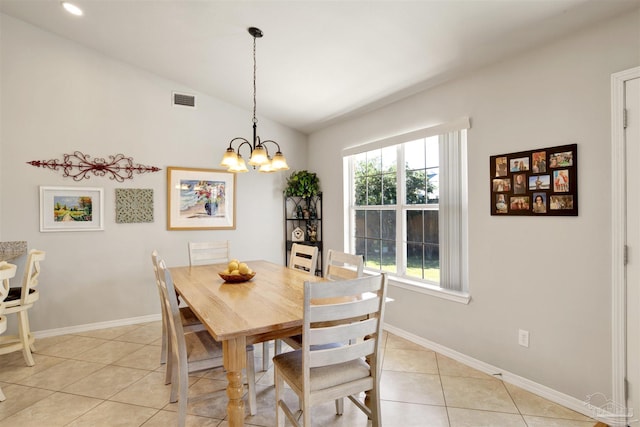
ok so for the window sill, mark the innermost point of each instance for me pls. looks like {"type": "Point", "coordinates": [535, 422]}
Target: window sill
{"type": "Point", "coordinates": [435, 291]}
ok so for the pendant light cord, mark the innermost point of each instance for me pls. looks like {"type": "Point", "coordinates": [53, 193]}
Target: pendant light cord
{"type": "Point", "coordinates": [255, 120]}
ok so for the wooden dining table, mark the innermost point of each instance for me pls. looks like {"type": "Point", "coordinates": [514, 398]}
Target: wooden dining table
{"type": "Point", "coordinates": [268, 306]}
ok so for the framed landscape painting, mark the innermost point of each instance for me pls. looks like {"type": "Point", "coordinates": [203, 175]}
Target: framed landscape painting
{"type": "Point", "coordinates": [71, 209]}
{"type": "Point", "coordinates": [200, 199]}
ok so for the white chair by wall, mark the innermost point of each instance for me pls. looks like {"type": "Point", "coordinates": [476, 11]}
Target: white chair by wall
{"type": "Point", "coordinates": [321, 370]}
{"type": "Point", "coordinates": [203, 253]}
{"type": "Point", "coordinates": [7, 272]}
{"type": "Point", "coordinates": [305, 258]}
{"type": "Point", "coordinates": [341, 265]}
{"type": "Point", "coordinates": [20, 300]}
{"type": "Point", "coordinates": [192, 352]}
{"type": "Point", "coordinates": [190, 322]}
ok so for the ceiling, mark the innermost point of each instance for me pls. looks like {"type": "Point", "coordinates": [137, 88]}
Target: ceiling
{"type": "Point", "coordinates": [320, 61]}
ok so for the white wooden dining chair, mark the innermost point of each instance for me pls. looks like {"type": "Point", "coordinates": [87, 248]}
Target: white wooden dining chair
{"type": "Point", "coordinates": [190, 322]}
{"type": "Point", "coordinates": [304, 258]}
{"type": "Point", "coordinates": [7, 272]}
{"type": "Point", "coordinates": [19, 301]}
{"type": "Point", "coordinates": [203, 253]}
{"type": "Point", "coordinates": [193, 352]}
{"type": "Point", "coordinates": [322, 370]}
{"type": "Point", "coordinates": [341, 265]}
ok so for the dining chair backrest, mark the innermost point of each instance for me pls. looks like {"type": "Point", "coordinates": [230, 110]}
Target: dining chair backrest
{"type": "Point", "coordinates": [203, 253]}
{"type": "Point", "coordinates": [7, 272]}
{"type": "Point", "coordinates": [155, 259]}
{"type": "Point", "coordinates": [304, 257]}
{"type": "Point", "coordinates": [341, 266]}
{"type": "Point", "coordinates": [354, 318]}
{"type": "Point", "coordinates": [172, 309]}
{"type": "Point", "coordinates": [340, 354]}
{"type": "Point", "coordinates": [29, 292]}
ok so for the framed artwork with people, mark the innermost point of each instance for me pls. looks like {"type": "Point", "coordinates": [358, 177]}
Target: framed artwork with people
{"type": "Point", "coordinates": [540, 182]}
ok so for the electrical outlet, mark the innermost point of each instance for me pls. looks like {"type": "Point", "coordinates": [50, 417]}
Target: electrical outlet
{"type": "Point", "coordinates": [523, 338]}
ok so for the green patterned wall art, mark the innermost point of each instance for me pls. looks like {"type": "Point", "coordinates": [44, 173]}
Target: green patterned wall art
{"type": "Point", "coordinates": [134, 205]}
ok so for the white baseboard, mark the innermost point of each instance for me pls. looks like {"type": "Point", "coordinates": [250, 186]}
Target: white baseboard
{"type": "Point", "coordinates": [95, 326]}
{"type": "Point", "coordinates": [554, 396]}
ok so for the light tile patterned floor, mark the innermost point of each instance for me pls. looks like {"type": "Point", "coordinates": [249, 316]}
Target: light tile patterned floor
{"type": "Point", "coordinates": [112, 377]}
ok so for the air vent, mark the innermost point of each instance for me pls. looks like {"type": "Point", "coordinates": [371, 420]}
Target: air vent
{"type": "Point", "coordinates": [184, 99]}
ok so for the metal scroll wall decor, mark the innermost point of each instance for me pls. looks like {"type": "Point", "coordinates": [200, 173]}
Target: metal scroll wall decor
{"type": "Point", "coordinates": [81, 166]}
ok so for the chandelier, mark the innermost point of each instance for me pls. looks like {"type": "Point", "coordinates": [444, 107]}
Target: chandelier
{"type": "Point", "coordinates": [259, 154]}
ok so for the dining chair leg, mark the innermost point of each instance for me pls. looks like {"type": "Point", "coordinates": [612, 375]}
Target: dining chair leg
{"type": "Point", "coordinates": [251, 381]}
{"type": "Point", "coordinates": [164, 345]}
{"type": "Point", "coordinates": [265, 355]}
{"type": "Point", "coordinates": [279, 384]}
{"type": "Point", "coordinates": [170, 364]}
{"type": "Point", "coordinates": [340, 406]}
{"type": "Point", "coordinates": [23, 328]}
{"type": "Point", "coordinates": [184, 395]}
{"type": "Point", "coordinates": [2, 396]}
{"type": "Point", "coordinates": [175, 372]}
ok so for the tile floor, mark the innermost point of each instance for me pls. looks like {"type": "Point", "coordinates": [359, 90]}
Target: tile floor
{"type": "Point", "coordinates": [112, 377]}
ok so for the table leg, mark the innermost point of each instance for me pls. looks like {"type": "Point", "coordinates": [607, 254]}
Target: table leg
{"type": "Point", "coordinates": [235, 359]}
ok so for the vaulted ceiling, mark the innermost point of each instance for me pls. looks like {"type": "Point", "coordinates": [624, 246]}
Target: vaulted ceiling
{"type": "Point", "coordinates": [319, 61]}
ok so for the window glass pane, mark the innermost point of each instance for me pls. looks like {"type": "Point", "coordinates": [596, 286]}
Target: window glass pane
{"type": "Point", "coordinates": [431, 227]}
{"type": "Point", "coordinates": [374, 158]}
{"type": "Point", "coordinates": [388, 225]}
{"type": "Point", "coordinates": [389, 256]}
{"type": "Point", "coordinates": [374, 190]}
{"type": "Point", "coordinates": [414, 154]}
{"type": "Point", "coordinates": [432, 151]}
{"type": "Point", "coordinates": [432, 262]}
{"type": "Point", "coordinates": [433, 185]}
{"type": "Point", "coordinates": [416, 187]}
{"type": "Point", "coordinates": [360, 180]}
{"type": "Point", "coordinates": [389, 189]}
{"type": "Point", "coordinates": [389, 155]}
{"type": "Point", "coordinates": [414, 226]}
{"type": "Point", "coordinates": [372, 256]}
{"type": "Point", "coordinates": [360, 246]}
{"type": "Point", "coordinates": [373, 224]}
{"type": "Point", "coordinates": [360, 224]}
{"type": "Point", "coordinates": [414, 260]}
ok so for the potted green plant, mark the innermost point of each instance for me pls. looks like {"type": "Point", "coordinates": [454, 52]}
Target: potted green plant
{"type": "Point", "coordinates": [303, 184]}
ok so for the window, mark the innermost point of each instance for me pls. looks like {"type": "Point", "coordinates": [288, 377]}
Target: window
{"type": "Point", "coordinates": [407, 206]}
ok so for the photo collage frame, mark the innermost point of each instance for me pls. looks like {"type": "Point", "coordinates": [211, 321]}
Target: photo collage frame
{"type": "Point", "coordinates": [541, 182]}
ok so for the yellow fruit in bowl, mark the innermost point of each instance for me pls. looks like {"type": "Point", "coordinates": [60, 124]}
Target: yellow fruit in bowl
{"type": "Point", "coordinates": [235, 272]}
{"type": "Point", "coordinates": [244, 268]}
{"type": "Point", "coordinates": [226, 271]}
{"type": "Point", "coordinates": [233, 265]}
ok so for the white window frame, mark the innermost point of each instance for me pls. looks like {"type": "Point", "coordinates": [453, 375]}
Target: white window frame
{"type": "Point", "coordinates": [453, 191]}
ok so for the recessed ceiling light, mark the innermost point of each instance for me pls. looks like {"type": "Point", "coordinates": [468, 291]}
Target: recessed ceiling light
{"type": "Point", "coordinates": [72, 8]}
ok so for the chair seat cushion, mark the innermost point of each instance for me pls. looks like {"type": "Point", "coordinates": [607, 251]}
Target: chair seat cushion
{"type": "Point", "coordinates": [322, 377]}
{"type": "Point", "coordinates": [15, 293]}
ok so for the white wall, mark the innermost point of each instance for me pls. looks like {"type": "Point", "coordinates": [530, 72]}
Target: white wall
{"type": "Point", "coordinates": [59, 97]}
{"type": "Point", "coordinates": [551, 275]}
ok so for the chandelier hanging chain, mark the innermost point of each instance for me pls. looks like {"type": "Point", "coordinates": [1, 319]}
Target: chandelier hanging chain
{"type": "Point", "coordinates": [255, 71]}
